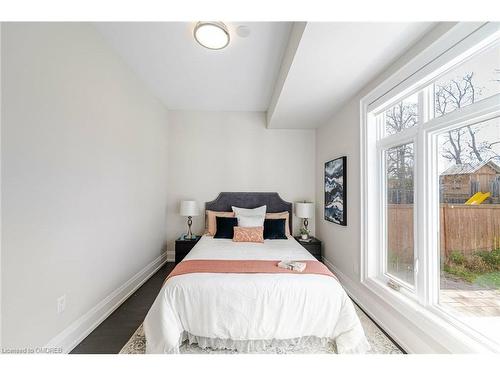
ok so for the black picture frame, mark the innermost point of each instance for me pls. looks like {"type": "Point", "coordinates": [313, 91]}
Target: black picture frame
{"type": "Point", "coordinates": [335, 189]}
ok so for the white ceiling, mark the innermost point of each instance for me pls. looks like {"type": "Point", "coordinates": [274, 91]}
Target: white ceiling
{"type": "Point", "coordinates": [319, 67]}
{"type": "Point", "coordinates": [332, 62]}
{"type": "Point", "coordinates": [187, 76]}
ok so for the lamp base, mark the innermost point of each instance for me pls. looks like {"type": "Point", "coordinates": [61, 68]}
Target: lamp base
{"type": "Point", "coordinates": [189, 235]}
{"type": "Point", "coordinates": [305, 236]}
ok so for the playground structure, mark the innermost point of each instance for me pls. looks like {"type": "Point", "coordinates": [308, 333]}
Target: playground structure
{"type": "Point", "coordinates": [478, 198]}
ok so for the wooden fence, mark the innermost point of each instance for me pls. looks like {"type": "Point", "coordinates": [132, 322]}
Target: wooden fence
{"type": "Point", "coordinates": [464, 228]}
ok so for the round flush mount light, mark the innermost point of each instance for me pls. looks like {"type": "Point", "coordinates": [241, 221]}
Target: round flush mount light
{"type": "Point", "coordinates": [211, 34]}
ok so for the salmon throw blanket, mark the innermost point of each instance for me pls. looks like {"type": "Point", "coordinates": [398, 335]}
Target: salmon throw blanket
{"type": "Point", "coordinates": [244, 266]}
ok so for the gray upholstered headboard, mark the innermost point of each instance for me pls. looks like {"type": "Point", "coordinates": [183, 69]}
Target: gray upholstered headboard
{"type": "Point", "coordinates": [273, 202]}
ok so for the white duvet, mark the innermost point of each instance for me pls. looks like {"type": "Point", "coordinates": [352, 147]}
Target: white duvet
{"type": "Point", "coordinates": [248, 312]}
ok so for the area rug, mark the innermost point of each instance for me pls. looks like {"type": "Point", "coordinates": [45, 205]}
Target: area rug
{"type": "Point", "coordinates": [379, 342]}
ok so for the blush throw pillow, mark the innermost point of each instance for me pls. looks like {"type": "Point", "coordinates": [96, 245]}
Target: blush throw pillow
{"type": "Point", "coordinates": [249, 234]}
{"type": "Point", "coordinates": [211, 227]}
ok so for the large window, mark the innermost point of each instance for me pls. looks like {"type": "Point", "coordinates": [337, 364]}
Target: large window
{"type": "Point", "coordinates": [431, 208]}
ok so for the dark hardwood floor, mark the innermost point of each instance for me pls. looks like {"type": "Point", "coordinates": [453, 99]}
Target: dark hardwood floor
{"type": "Point", "coordinates": [112, 334]}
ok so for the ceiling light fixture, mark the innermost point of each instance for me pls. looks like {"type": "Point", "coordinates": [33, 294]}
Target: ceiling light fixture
{"type": "Point", "coordinates": [211, 34]}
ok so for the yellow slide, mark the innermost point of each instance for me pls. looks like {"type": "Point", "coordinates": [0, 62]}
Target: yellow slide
{"type": "Point", "coordinates": [478, 198]}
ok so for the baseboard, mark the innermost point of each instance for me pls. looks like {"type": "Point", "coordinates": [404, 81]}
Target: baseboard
{"type": "Point", "coordinates": [403, 331]}
{"type": "Point", "coordinates": [83, 326]}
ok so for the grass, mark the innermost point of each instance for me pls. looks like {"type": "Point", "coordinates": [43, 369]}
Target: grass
{"type": "Point", "coordinates": [461, 272]}
{"type": "Point", "coordinates": [491, 280]}
{"type": "Point", "coordinates": [482, 267]}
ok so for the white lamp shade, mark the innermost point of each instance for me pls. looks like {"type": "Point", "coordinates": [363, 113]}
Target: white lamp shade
{"type": "Point", "coordinates": [189, 208]}
{"type": "Point", "coordinates": [304, 210]}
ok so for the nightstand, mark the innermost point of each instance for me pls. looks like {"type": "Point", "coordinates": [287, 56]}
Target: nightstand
{"type": "Point", "coordinates": [183, 247]}
{"type": "Point", "coordinates": [314, 247]}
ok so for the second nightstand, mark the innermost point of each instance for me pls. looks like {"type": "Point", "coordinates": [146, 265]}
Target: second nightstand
{"type": "Point", "coordinates": [313, 246]}
{"type": "Point", "coordinates": [183, 247]}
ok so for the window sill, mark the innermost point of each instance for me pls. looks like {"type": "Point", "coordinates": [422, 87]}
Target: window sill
{"type": "Point", "coordinates": [455, 336]}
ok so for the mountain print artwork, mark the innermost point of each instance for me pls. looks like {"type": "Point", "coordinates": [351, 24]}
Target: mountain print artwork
{"type": "Point", "coordinates": [335, 190]}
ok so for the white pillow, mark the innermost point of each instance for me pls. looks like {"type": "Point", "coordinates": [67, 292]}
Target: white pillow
{"type": "Point", "coordinates": [250, 221]}
{"type": "Point", "coordinates": [259, 211]}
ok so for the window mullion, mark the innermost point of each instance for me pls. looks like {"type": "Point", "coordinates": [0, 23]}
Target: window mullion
{"type": "Point", "coordinates": [486, 108]}
{"type": "Point", "coordinates": [432, 224]}
{"type": "Point", "coordinates": [382, 213]}
{"type": "Point", "coordinates": [397, 139]}
{"type": "Point", "coordinates": [427, 104]}
{"type": "Point", "coordinates": [420, 218]}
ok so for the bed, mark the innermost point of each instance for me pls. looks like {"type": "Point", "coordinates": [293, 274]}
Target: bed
{"type": "Point", "coordinates": [249, 312]}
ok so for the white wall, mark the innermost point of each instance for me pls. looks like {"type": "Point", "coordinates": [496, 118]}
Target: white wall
{"type": "Point", "coordinates": [339, 137]}
{"type": "Point", "coordinates": [210, 152]}
{"type": "Point", "coordinates": [84, 150]}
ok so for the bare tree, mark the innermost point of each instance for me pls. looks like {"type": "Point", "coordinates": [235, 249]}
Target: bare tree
{"type": "Point", "coordinates": [473, 145]}
{"type": "Point", "coordinates": [399, 164]}
{"type": "Point", "coordinates": [458, 92]}
{"type": "Point", "coordinates": [399, 161]}
{"type": "Point", "coordinates": [401, 116]}
{"type": "Point", "coordinates": [455, 94]}
{"type": "Point", "coordinates": [453, 146]}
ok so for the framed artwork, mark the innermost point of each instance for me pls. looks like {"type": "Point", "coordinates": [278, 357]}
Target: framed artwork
{"type": "Point", "coordinates": [335, 190]}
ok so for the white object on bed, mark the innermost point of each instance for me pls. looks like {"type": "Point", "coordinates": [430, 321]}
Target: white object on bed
{"type": "Point", "coordinates": [250, 217]}
{"type": "Point", "coordinates": [249, 312]}
{"type": "Point", "coordinates": [259, 211]}
{"type": "Point", "coordinates": [293, 266]}
{"type": "Point", "coordinates": [250, 221]}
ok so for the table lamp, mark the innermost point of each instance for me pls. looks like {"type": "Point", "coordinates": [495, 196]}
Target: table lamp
{"type": "Point", "coordinates": [189, 209]}
{"type": "Point", "coordinates": [305, 210]}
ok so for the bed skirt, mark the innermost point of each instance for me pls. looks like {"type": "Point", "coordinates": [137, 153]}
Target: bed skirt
{"type": "Point", "coordinates": [307, 344]}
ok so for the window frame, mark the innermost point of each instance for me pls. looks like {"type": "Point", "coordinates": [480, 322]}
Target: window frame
{"type": "Point", "coordinates": [421, 302]}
